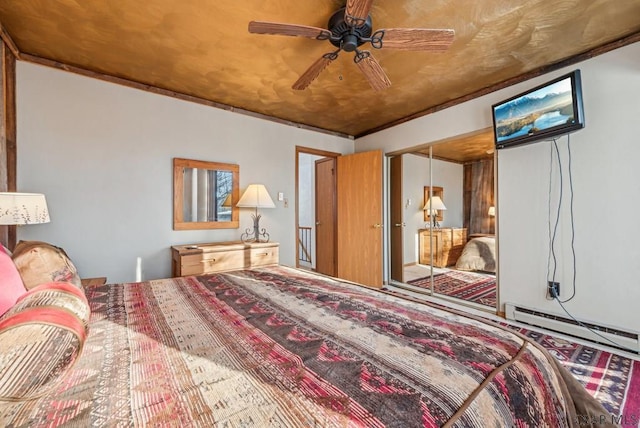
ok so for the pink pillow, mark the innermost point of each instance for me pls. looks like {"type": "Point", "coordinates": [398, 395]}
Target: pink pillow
{"type": "Point", "coordinates": [11, 286]}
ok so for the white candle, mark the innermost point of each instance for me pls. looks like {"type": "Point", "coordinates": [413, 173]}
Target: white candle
{"type": "Point", "coordinates": [138, 269]}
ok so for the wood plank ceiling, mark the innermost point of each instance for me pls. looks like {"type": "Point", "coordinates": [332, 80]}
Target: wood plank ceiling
{"type": "Point", "coordinates": [203, 49]}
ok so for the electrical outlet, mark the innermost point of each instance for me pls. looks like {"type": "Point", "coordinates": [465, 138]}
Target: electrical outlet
{"type": "Point", "coordinates": [553, 289]}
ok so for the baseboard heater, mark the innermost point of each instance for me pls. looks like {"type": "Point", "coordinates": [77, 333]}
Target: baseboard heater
{"type": "Point", "coordinates": [628, 340]}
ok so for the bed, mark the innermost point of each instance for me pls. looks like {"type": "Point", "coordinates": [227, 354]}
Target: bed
{"type": "Point", "coordinates": [281, 347]}
{"type": "Point", "coordinates": [478, 254]}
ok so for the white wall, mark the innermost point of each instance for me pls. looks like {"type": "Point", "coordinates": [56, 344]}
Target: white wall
{"type": "Point", "coordinates": [606, 186]}
{"type": "Point", "coordinates": [605, 175]}
{"type": "Point", "coordinates": [102, 154]}
{"type": "Point", "coordinates": [415, 175]}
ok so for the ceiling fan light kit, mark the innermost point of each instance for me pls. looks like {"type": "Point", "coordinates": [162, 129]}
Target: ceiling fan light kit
{"type": "Point", "coordinates": [351, 27]}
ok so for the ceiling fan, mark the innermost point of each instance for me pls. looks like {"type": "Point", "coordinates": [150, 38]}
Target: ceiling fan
{"type": "Point", "coordinates": [348, 29]}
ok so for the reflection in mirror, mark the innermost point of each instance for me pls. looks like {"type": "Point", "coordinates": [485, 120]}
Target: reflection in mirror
{"type": "Point", "coordinates": [456, 261]}
{"type": "Point", "coordinates": [205, 192]}
{"type": "Point", "coordinates": [204, 195]}
{"type": "Point", "coordinates": [439, 192]}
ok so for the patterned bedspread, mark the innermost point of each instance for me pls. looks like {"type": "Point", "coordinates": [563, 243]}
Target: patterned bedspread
{"type": "Point", "coordinates": [278, 347]}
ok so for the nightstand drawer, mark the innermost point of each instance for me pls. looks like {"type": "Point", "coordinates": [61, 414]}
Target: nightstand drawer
{"type": "Point", "coordinates": [197, 264]}
{"type": "Point", "coordinates": [263, 256]}
{"type": "Point", "coordinates": [199, 259]}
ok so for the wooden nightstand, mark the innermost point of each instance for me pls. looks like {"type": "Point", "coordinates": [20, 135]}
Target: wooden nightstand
{"type": "Point", "coordinates": [199, 259]}
{"type": "Point", "coordinates": [448, 243]}
{"type": "Point", "coordinates": [89, 282]}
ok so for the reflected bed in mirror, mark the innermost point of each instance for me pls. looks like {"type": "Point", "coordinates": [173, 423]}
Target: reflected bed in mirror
{"type": "Point", "coordinates": [205, 195]}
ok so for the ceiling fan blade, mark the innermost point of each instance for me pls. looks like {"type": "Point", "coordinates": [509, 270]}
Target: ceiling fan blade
{"type": "Point", "coordinates": [314, 71]}
{"type": "Point", "coordinates": [356, 12]}
{"type": "Point", "coordinates": [372, 70]}
{"type": "Point", "coordinates": [262, 27]}
{"type": "Point", "coordinates": [416, 39]}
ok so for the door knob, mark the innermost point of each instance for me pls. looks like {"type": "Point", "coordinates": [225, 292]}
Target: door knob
{"type": "Point", "coordinates": [317, 223]}
{"type": "Point", "coordinates": [377, 225]}
{"type": "Point", "coordinates": [400, 225]}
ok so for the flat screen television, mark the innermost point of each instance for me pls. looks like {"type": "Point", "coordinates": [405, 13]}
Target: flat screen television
{"type": "Point", "coordinates": [544, 112]}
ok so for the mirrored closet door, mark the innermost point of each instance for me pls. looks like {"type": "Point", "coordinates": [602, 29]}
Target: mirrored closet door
{"type": "Point", "coordinates": [442, 226]}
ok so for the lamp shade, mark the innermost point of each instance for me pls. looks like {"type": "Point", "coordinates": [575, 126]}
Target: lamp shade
{"type": "Point", "coordinates": [492, 211]}
{"type": "Point", "coordinates": [434, 203]}
{"type": "Point", "coordinates": [23, 208]}
{"type": "Point", "coordinates": [256, 196]}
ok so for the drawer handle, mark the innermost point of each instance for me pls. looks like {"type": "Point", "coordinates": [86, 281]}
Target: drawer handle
{"type": "Point", "coordinates": [208, 261]}
{"type": "Point", "coordinates": [263, 254]}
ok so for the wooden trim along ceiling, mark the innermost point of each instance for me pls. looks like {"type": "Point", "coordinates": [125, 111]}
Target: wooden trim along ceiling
{"type": "Point", "coordinates": [169, 93]}
{"type": "Point", "coordinates": [633, 38]}
{"type": "Point", "coordinates": [6, 37]}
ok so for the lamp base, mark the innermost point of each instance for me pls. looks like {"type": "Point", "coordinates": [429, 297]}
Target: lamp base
{"type": "Point", "coordinates": [434, 222]}
{"type": "Point", "coordinates": [255, 234]}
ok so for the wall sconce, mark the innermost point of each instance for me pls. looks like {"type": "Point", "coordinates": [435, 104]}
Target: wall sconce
{"type": "Point", "coordinates": [492, 211]}
{"type": "Point", "coordinates": [431, 207]}
{"type": "Point", "coordinates": [256, 196]}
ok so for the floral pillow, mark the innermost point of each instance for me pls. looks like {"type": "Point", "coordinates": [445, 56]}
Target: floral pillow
{"type": "Point", "coordinates": [40, 262]}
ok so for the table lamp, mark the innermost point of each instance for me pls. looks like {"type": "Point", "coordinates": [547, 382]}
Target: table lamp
{"type": "Point", "coordinates": [256, 196]}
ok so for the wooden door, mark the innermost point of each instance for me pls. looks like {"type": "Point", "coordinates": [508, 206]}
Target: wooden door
{"type": "Point", "coordinates": [325, 216]}
{"type": "Point", "coordinates": [396, 220]}
{"type": "Point", "coordinates": [359, 192]}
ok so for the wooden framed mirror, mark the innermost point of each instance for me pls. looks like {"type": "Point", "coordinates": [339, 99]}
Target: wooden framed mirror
{"type": "Point", "coordinates": [205, 195]}
{"type": "Point", "coordinates": [437, 191]}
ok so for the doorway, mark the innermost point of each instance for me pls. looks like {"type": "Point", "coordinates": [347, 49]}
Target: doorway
{"type": "Point", "coordinates": [325, 215]}
{"type": "Point", "coordinates": [342, 201]}
{"type": "Point", "coordinates": [316, 210]}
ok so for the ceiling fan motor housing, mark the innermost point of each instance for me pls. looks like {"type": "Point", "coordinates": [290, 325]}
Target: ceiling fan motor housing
{"type": "Point", "coordinates": [347, 37]}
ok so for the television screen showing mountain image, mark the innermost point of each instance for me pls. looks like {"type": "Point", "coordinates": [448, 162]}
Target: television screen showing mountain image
{"type": "Point", "coordinates": [536, 111]}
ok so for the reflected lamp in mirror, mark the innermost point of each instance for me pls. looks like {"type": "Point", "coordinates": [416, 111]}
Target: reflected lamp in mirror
{"type": "Point", "coordinates": [430, 191]}
{"type": "Point", "coordinates": [23, 208]}
{"type": "Point", "coordinates": [203, 195]}
{"type": "Point", "coordinates": [228, 201]}
{"type": "Point", "coordinates": [492, 211]}
{"type": "Point", "coordinates": [431, 208]}
{"type": "Point", "coordinates": [256, 196]}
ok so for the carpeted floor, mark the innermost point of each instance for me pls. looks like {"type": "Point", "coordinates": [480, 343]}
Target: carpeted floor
{"type": "Point", "coordinates": [469, 286]}
{"type": "Point", "coordinates": [612, 379]}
